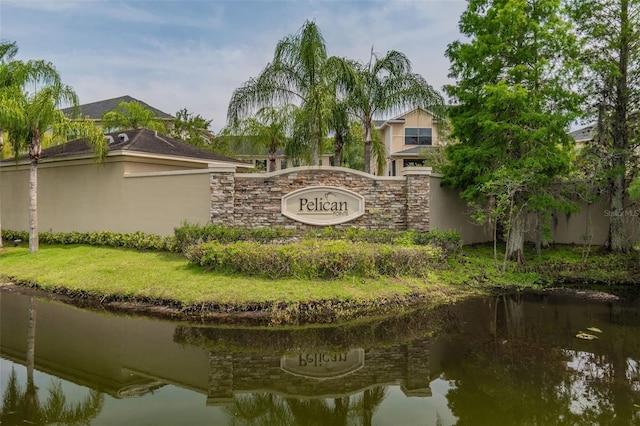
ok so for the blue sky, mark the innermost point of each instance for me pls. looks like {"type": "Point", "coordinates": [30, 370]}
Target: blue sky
{"type": "Point", "coordinates": [192, 54]}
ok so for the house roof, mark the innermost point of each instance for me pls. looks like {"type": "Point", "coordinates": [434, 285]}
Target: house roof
{"type": "Point", "coordinates": [584, 134]}
{"type": "Point", "coordinates": [142, 141]}
{"type": "Point", "coordinates": [96, 110]}
{"type": "Point", "coordinates": [413, 151]}
{"type": "Point", "coordinates": [399, 119]}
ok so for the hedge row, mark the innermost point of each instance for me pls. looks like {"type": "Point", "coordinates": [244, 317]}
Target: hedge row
{"type": "Point", "coordinates": [318, 259]}
{"type": "Point", "coordinates": [189, 235]}
{"type": "Point", "coordinates": [134, 240]}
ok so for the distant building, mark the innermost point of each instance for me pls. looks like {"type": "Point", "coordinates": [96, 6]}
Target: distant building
{"type": "Point", "coordinates": [95, 110]}
{"type": "Point", "coordinates": [406, 137]}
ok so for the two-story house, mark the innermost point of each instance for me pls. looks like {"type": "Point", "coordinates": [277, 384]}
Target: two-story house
{"type": "Point", "coordinates": [406, 137]}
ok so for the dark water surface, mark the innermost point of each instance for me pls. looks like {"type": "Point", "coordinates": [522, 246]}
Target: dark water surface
{"type": "Point", "coordinates": [503, 360]}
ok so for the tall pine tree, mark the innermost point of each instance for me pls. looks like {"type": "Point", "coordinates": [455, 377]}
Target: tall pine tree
{"type": "Point", "coordinates": [610, 31]}
{"type": "Point", "coordinates": [513, 104]}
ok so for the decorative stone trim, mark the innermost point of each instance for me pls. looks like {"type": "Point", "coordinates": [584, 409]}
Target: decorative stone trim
{"type": "Point", "coordinates": [255, 200]}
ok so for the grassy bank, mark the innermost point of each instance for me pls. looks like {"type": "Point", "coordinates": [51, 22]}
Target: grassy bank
{"type": "Point", "coordinates": [166, 283]}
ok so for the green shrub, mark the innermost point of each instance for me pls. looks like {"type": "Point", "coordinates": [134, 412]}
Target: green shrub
{"type": "Point", "coordinates": [316, 259]}
{"type": "Point", "coordinates": [189, 235]}
{"type": "Point", "coordinates": [134, 240]}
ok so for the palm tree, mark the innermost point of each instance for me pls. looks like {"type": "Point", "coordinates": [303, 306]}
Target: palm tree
{"type": "Point", "coordinates": [300, 73]}
{"type": "Point", "coordinates": [269, 130]}
{"type": "Point", "coordinates": [22, 405]}
{"type": "Point", "coordinates": [38, 112]}
{"type": "Point", "coordinates": [132, 115]}
{"type": "Point", "coordinates": [15, 75]}
{"type": "Point", "coordinates": [386, 84]}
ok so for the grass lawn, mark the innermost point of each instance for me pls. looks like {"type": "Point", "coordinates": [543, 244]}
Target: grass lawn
{"type": "Point", "coordinates": [159, 278]}
{"type": "Point", "coordinates": [101, 271]}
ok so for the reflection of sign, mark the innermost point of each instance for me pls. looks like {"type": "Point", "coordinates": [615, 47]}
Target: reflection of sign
{"type": "Point", "coordinates": [322, 365]}
{"type": "Point", "coordinates": [322, 205]}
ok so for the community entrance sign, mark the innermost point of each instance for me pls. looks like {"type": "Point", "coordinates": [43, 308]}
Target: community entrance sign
{"type": "Point", "coordinates": [323, 365]}
{"type": "Point", "coordinates": [322, 205]}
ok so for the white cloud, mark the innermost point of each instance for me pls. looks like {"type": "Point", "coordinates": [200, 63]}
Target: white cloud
{"type": "Point", "coordinates": [174, 54]}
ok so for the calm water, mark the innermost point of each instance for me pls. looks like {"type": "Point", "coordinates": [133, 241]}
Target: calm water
{"type": "Point", "coordinates": [508, 360]}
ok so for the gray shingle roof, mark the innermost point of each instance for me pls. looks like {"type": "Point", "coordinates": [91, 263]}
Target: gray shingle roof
{"type": "Point", "coordinates": [584, 134]}
{"type": "Point", "coordinates": [95, 110]}
{"type": "Point", "coordinates": [139, 140]}
{"type": "Point", "coordinates": [413, 151]}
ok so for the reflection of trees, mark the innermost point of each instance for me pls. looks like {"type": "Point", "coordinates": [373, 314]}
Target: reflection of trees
{"type": "Point", "coordinates": [267, 409]}
{"type": "Point", "coordinates": [22, 406]}
{"type": "Point", "coordinates": [503, 384]}
{"type": "Point", "coordinates": [515, 375]}
{"type": "Point", "coordinates": [259, 409]}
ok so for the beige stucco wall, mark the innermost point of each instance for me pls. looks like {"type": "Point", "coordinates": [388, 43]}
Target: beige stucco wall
{"type": "Point", "coordinates": [592, 222]}
{"type": "Point", "coordinates": [449, 212]}
{"type": "Point", "coordinates": [82, 196]}
{"type": "Point", "coordinates": [78, 195]}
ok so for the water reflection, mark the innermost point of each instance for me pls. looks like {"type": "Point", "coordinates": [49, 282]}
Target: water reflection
{"type": "Point", "coordinates": [505, 360]}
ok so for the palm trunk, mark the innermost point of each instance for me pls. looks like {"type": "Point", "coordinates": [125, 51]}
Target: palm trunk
{"type": "Point", "coordinates": [367, 147]}
{"type": "Point", "coordinates": [315, 148]}
{"type": "Point", "coordinates": [337, 149]}
{"type": "Point", "coordinates": [34, 154]}
{"type": "Point", "coordinates": [271, 155]}
{"type": "Point", "coordinates": [31, 341]}
{"type": "Point", "coordinates": [1, 146]}
{"type": "Point", "coordinates": [33, 206]}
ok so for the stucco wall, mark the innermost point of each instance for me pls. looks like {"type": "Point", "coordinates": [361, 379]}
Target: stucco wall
{"type": "Point", "coordinates": [82, 196]}
{"type": "Point", "coordinates": [449, 212]}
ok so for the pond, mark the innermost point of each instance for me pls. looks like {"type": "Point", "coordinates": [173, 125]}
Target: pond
{"type": "Point", "coordinates": [500, 360]}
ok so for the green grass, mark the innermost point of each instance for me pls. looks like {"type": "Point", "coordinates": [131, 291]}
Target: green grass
{"type": "Point", "coordinates": [166, 278]}
{"type": "Point", "coordinates": [112, 272]}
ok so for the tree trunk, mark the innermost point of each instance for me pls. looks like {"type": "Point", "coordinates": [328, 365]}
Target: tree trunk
{"type": "Point", "coordinates": [618, 238]}
{"type": "Point", "coordinates": [31, 340]}
{"type": "Point", "coordinates": [617, 224]}
{"type": "Point", "coordinates": [1, 146]}
{"type": "Point", "coordinates": [367, 409]}
{"type": "Point", "coordinates": [271, 155]}
{"type": "Point", "coordinates": [337, 149]}
{"type": "Point", "coordinates": [367, 147]}
{"type": "Point", "coordinates": [33, 206]}
{"type": "Point", "coordinates": [34, 153]}
{"type": "Point", "coordinates": [515, 240]}
{"type": "Point", "coordinates": [315, 146]}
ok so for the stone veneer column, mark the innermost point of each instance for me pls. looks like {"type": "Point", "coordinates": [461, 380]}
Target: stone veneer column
{"type": "Point", "coordinates": [418, 197]}
{"type": "Point", "coordinates": [222, 195]}
{"type": "Point", "coordinates": [220, 390]}
{"type": "Point", "coordinates": [418, 374]}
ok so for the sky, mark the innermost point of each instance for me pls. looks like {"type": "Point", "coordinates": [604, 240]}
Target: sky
{"type": "Point", "coordinates": [175, 54]}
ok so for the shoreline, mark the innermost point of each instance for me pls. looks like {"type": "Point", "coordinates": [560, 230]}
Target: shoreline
{"type": "Point", "coordinates": [166, 285]}
{"type": "Point", "coordinates": [256, 313]}
{"type": "Point", "coordinates": [214, 314]}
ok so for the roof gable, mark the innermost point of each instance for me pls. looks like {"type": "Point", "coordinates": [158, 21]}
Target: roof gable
{"type": "Point", "coordinates": [96, 110]}
{"type": "Point", "coordinates": [141, 141]}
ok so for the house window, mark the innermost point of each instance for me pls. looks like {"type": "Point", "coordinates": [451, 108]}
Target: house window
{"type": "Point", "coordinates": [261, 164]}
{"type": "Point", "coordinates": [417, 136]}
{"type": "Point", "coordinates": [283, 164]}
{"type": "Point", "coordinates": [413, 163]}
